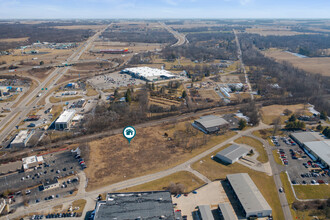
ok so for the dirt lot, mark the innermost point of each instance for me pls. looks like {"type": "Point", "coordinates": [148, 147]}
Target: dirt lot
{"type": "Point", "coordinates": [112, 159]}
{"type": "Point", "coordinates": [314, 65]}
{"type": "Point", "coordinates": [269, 113]}
{"type": "Point", "coordinates": [14, 39]}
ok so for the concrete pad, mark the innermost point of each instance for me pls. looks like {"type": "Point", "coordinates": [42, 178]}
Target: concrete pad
{"type": "Point", "coordinates": [211, 194]}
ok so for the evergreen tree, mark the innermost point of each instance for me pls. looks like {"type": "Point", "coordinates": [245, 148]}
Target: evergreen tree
{"type": "Point", "coordinates": [241, 124]}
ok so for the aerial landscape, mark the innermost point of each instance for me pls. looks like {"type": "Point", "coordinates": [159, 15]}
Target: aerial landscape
{"type": "Point", "coordinates": [154, 111]}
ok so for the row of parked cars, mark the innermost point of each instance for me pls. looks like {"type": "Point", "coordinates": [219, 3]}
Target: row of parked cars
{"type": "Point", "coordinates": [81, 161]}
{"type": "Point", "coordinates": [62, 215]}
{"type": "Point", "coordinates": [283, 156]}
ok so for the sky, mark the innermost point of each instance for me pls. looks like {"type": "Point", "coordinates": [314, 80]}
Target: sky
{"type": "Point", "coordinates": [148, 9]}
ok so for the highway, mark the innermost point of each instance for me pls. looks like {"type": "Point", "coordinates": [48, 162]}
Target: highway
{"type": "Point", "coordinates": [17, 114]}
{"type": "Point", "coordinates": [180, 37]}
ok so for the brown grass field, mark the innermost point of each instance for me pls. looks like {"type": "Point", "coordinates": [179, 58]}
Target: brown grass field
{"type": "Point", "coordinates": [9, 40]}
{"type": "Point", "coordinates": [313, 65]}
{"type": "Point", "coordinates": [112, 159]}
{"type": "Point", "coordinates": [278, 31]}
{"type": "Point", "coordinates": [269, 113]}
{"type": "Point", "coordinates": [189, 180]}
{"type": "Point", "coordinates": [214, 170]}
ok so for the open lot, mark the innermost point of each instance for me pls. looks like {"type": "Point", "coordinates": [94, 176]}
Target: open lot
{"type": "Point", "coordinates": [314, 64]}
{"type": "Point", "coordinates": [189, 180]}
{"type": "Point", "coordinates": [269, 113]}
{"type": "Point", "coordinates": [112, 159]}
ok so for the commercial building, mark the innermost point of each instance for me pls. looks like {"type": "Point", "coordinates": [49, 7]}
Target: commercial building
{"type": "Point", "coordinates": [232, 153]}
{"type": "Point", "coordinates": [148, 74]}
{"type": "Point", "coordinates": [50, 184]}
{"type": "Point", "coordinates": [22, 138]}
{"type": "Point", "coordinates": [135, 205]}
{"type": "Point", "coordinates": [315, 145]}
{"type": "Point", "coordinates": [64, 121]}
{"type": "Point", "coordinates": [250, 199]}
{"type": "Point", "coordinates": [211, 124]}
{"type": "Point", "coordinates": [32, 161]}
{"type": "Point", "coordinates": [226, 211]}
{"type": "Point", "coordinates": [205, 213]}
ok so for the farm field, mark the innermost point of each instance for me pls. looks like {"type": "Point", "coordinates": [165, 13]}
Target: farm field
{"type": "Point", "coordinates": [314, 64]}
{"type": "Point", "coordinates": [115, 160]}
{"type": "Point", "coordinates": [266, 31]}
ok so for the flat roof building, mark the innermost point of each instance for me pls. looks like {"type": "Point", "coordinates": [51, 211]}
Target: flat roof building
{"type": "Point", "coordinates": [211, 124]}
{"type": "Point", "coordinates": [251, 200]}
{"type": "Point", "coordinates": [227, 212]}
{"type": "Point", "coordinates": [32, 161]}
{"type": "Point", "coordinates": [148, 73]}
{"type": "Point", "coordinates": [232, 153]}
{"type": "Point", "coordinates": [22, 138]}
{"type": "Point", "coordinates": [50, 184]}
{"type": "Point", "coordinates": [314, 144]}
{"type": "Point", "coordinates": [64, 121]}
{"type": "Point", "coordinates": [135, 205]}
{"type": "Point", "coordinates": [205, 213]}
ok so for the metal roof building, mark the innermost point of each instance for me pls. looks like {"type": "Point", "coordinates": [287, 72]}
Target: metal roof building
{"type": "Point", "coordinates": [301, 137]}
{"type": "Point", "coordinates": [136, 205]}
{"type": "Point", "coordinates": [64, 120]}
{"type": "Point", "coordinates": [320, 149]}
{"type": "Point", "coordinates": [205, 212]}
{"type": "Point", "coordinates": [315, 144]}
{"type": "Point", "coordinates": [249, 196]}
{"type": "Point", "coordinates": [227, 212]}
{"type": "Point", "coordinates": [211, 124]}
{"type": "Point", "coordinates": [149, 74]}
{"type": "Point", "coordinates": [232, 153]}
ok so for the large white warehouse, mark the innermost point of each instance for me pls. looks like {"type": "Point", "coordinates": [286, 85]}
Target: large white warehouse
{"type": "Point", "coordinates": [249, 196]}
{"type": "Point", "coordinates": [148, 74]}
{"type": "Point", "coordinates": [232, 153]}
{"type": "Point", "coordinates": [64, 121]}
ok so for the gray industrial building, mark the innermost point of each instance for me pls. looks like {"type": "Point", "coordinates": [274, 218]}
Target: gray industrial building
{"type": "Point", "coordinates": [22, 138]}
{"type": "Point", "coordinates": [315, 144]}
{"type": "Point", "coordinates": [211, 124]}
{"type": "Point", "coordinates": [64, 121]}
{"type": "Point", "coordinates": [205, 213]}
{"type": "Point", "coordinates": [135, 205]}
{"type": "Point", "coordinates": [227, 212]}
{"type": "Point", "coordinates": [232, 153]}
{"type": "Point", "coordinates": [250, 199]}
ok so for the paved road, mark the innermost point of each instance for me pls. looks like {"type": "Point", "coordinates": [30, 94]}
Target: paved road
{"type": "Point", "coordinates": [179, 36]}
{"type": "Point", "coordinates": [239, 54]}
{"type": "Point", "coordinates": [276, 176]}
{"type": "Point", "coordinates": [131, 182]}
{"type": "Point", "coordinates": [17, 114]}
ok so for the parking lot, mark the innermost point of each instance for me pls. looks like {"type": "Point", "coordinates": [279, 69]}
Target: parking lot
{"type": "Point", "coordinates": [58, 165]}
{"type": "Point", "coordinates": [114, 80]}
{"type": "Point", "coordinates": [300, 167]}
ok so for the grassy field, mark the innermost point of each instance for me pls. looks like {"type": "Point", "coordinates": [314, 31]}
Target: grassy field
{"type": "Point", "coordinates": [79, 203]}
{"type": "Point", "coordinates": [312, 192]}
{"type": "Point", "coordinates": [277, 158]}
{"type": "Point", "coordinates": [269, 113]}
{"type": "Point", "coordinates": [266, 133]}
{"type": "Point", "coordinates": [189, 180]}
{"type": "Point", "coordinates": [215, 170]}
{"type": "Point", "coordinates": [9, 40]}
{"type": "Point", "coordinates": [266, 31]}
{"type": "Point", "coordinates": [257, 145]}
{"type": "Point", "coordinates": [91, 91]}
{"type": "Point", "coordinates": [314, 65]}
{"type": "Point", "coordinates": [64, 99]}
{"type": "Point", "coordinates": [148, 152]}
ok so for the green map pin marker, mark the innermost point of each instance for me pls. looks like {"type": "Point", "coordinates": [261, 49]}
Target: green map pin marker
{"type": "Point", "coordinates": [129, 133]}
